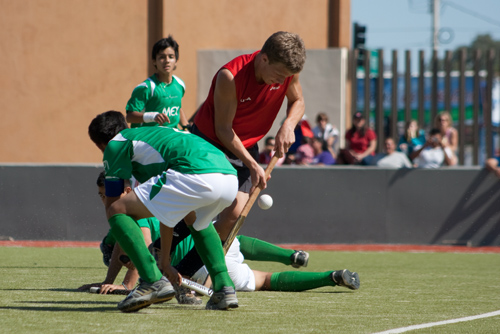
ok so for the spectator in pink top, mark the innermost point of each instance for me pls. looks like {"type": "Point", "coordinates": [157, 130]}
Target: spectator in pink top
{"type": "Point", "coordinates": [305, 152]}
{"type": "Point", "coordinates": [361, 142]}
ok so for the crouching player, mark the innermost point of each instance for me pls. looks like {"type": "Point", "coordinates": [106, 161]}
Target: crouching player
{"type": "Point", "coordinates": [180, 175]}
{"type": "Point", "coordinates": [115, 258]}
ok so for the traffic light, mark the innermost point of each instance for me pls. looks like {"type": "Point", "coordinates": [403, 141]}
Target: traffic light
{"type": "Point", "coordinates": [359, 39]}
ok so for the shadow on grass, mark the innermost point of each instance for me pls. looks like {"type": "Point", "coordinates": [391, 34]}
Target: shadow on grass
{"type": "Point", "coordinates": [330, 292]}
{"type": "Point", "coordinates": [91, 308]}
{"type": "Point", "coordinates": [35, 266]}
{"type": "Point", "coordinates": [53, 289]}
{"type": "Point", "coordinates": [67, 302]}
{"type": "Point", "coordinates": [60, 309]}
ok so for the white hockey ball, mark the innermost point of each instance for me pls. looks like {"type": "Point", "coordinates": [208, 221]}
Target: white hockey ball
{"type": "Point", "coordinates": [265, 202]}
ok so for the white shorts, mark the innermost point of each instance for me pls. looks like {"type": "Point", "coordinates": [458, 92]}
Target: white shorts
{"type": "Point", "coordinates": [240, 273]}
{"type": "Point", "coordinates": [170, 199]}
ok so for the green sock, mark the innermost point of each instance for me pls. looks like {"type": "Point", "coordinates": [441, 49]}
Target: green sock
{"type": "Point", "coordinates": [109, 239]}
{"type": "Point", "coordinates": [300, 280]}
{"type": "Point", "coordinates": [209, 247]}
{"type": "Point", "coordinates": [131, 240]}
{"type": "Point", "coordinates": [258, 250]}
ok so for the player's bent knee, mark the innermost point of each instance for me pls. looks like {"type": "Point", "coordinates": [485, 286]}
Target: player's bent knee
{"type": "Point", "coordinates": [115, 208]}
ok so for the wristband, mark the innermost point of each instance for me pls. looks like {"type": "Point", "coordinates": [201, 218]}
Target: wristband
{"type": "Point", "coordinates": [149, 117]}
{"type": "Point", "coordinates": [114, 187]}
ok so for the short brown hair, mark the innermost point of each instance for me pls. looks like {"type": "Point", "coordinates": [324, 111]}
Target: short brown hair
{"type": "Point", "coordinates": [321, 116]}
{"type": "Point", "coordinates": [286, 48]}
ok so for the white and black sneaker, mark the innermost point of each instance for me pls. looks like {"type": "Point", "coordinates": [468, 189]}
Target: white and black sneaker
{"type": "Point", "coordinates": [146, 294]}
{"type": "Point", "coordinates": [299, 259]}
{"type": "Point", "coordinates": [346, 278]}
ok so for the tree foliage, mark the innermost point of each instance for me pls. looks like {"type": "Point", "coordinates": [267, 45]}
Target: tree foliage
{"type": "Point", "coordinates": [482, 44]}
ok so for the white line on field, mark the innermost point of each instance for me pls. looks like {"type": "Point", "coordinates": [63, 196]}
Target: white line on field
{"type": "Point", "coordinates": [445, 322]}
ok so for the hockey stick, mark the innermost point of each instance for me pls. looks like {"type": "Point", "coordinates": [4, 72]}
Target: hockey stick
{"type": "Point", "coordinates": [201, 289]}
{"type": "Point", "coordinates": [244, 213]}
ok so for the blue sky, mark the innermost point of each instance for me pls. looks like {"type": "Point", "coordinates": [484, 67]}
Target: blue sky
{"type": "Point", "coordinates": [407, 25]}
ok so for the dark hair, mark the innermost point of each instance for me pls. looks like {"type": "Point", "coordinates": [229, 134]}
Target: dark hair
{"type": "Point", "coordinates": [269, 139]}
{"type": "Point", "coordinates": [164, 43]}
{"type": "Point", "coordinates": [434, 131]}
{"type": "Point", "coordinates": [321, 116]}
{"type": "Point", "coordinates": [362, 130]}
{"type": "Point", "coordinates": [100, 179]}
{"type": "Point", "coordinates": [105, 126]}
{"type": "Point", "coordinates": [324, 143]}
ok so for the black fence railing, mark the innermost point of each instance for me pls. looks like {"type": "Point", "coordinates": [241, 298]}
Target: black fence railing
{"type": "Point", "coordinates": [389, 98]}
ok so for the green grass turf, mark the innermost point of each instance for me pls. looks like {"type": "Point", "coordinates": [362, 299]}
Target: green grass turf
{"type": "Point", "coordinates": [397, 289]}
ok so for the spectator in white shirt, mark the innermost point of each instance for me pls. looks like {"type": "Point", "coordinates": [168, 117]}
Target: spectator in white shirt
{"type": "Point", "coordinates": [434, 153]}
{"type": "Point", "coordinates": [326, 132]}
{"type": "Point", "coordinates": [391, 158]}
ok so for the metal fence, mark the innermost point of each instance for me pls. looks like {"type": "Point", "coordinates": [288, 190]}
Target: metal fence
{"type": "Point", "coordinates": [422, 95]}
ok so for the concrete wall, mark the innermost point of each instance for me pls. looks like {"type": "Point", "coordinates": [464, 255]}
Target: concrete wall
{"type": "Point", "coordinates": [311, 205]}
{"type": "Point", "coordinates": [63, 62]}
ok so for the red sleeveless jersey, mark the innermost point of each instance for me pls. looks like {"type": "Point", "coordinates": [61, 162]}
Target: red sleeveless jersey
{"type": "Point", "coordinates": [258, 104]}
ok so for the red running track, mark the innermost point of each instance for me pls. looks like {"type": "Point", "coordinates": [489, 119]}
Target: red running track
{"type": "Point", "coordinates": [307, 247]}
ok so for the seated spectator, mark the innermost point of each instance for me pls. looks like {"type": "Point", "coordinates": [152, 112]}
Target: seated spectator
{"type": "Point", "coordinates": [322, 155]}
{"type": "Point", "coordinates": [433, 154]}
{"type": "Point", "coordinates": [305, 152]}
{"type": "Point", "coordinates": [412, 137]}
{"type": "Point", "coordinates": [289, 159]}
{"type": "Point", "coordinates": [303, 129]}
{"type": "Point", "coordinates": [361, 142]}
{"type": "Point", "coordinates": [449, 134]}
{"type": "Point", "coordinates": [391, 158]}
{"type": "Point", "coordinates": [326, 132]}
{"type": "Point", "coordinates": [267, 153]}
{"type": "Point", "coordinates": [492, 165]}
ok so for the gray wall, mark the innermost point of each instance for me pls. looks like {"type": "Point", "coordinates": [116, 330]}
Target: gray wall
{"type": "Point", "coordinates": [311, 205]}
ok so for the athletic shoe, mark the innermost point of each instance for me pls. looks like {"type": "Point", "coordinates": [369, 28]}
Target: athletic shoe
{"type": "Point", "coordinates": [346, 278]}
{"type": "Point", "coordinates": [185, 296]}
{"type": "Point", "coordinates": [223, 299]}
{"type": "Point", "coordinates": [146, 294]}
{"type": "Point", "coordinates": [106, 250]}
{"type": "Point", "coordinates": [299, 259]}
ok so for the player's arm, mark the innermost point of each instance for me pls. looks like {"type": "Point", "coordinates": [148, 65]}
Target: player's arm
{"type": "Point", "coordinates": [371, 148]}
{"type": "Point", "coordinates": [295, 110]}
{"type": "Point", "coordinates": [137, 103]}
{"type": "Point", "coordinates": [146, 117]}
{"type": "Point", "coordinates": [114, 265]}
{"type": "Point", "coordinates": [226, 103]}
{"type": "Point", "coordinates": [166, 267]}
{"type": "Point", "coordinates": [183, 121]}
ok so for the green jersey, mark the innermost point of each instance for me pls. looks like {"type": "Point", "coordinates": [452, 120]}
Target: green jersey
{"type": "Point", "coordinates": [152, 223]}
{"type": "Point", "coordinates": [147, 152]}
{"type": "Point", "coordinates": [152, 95]}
